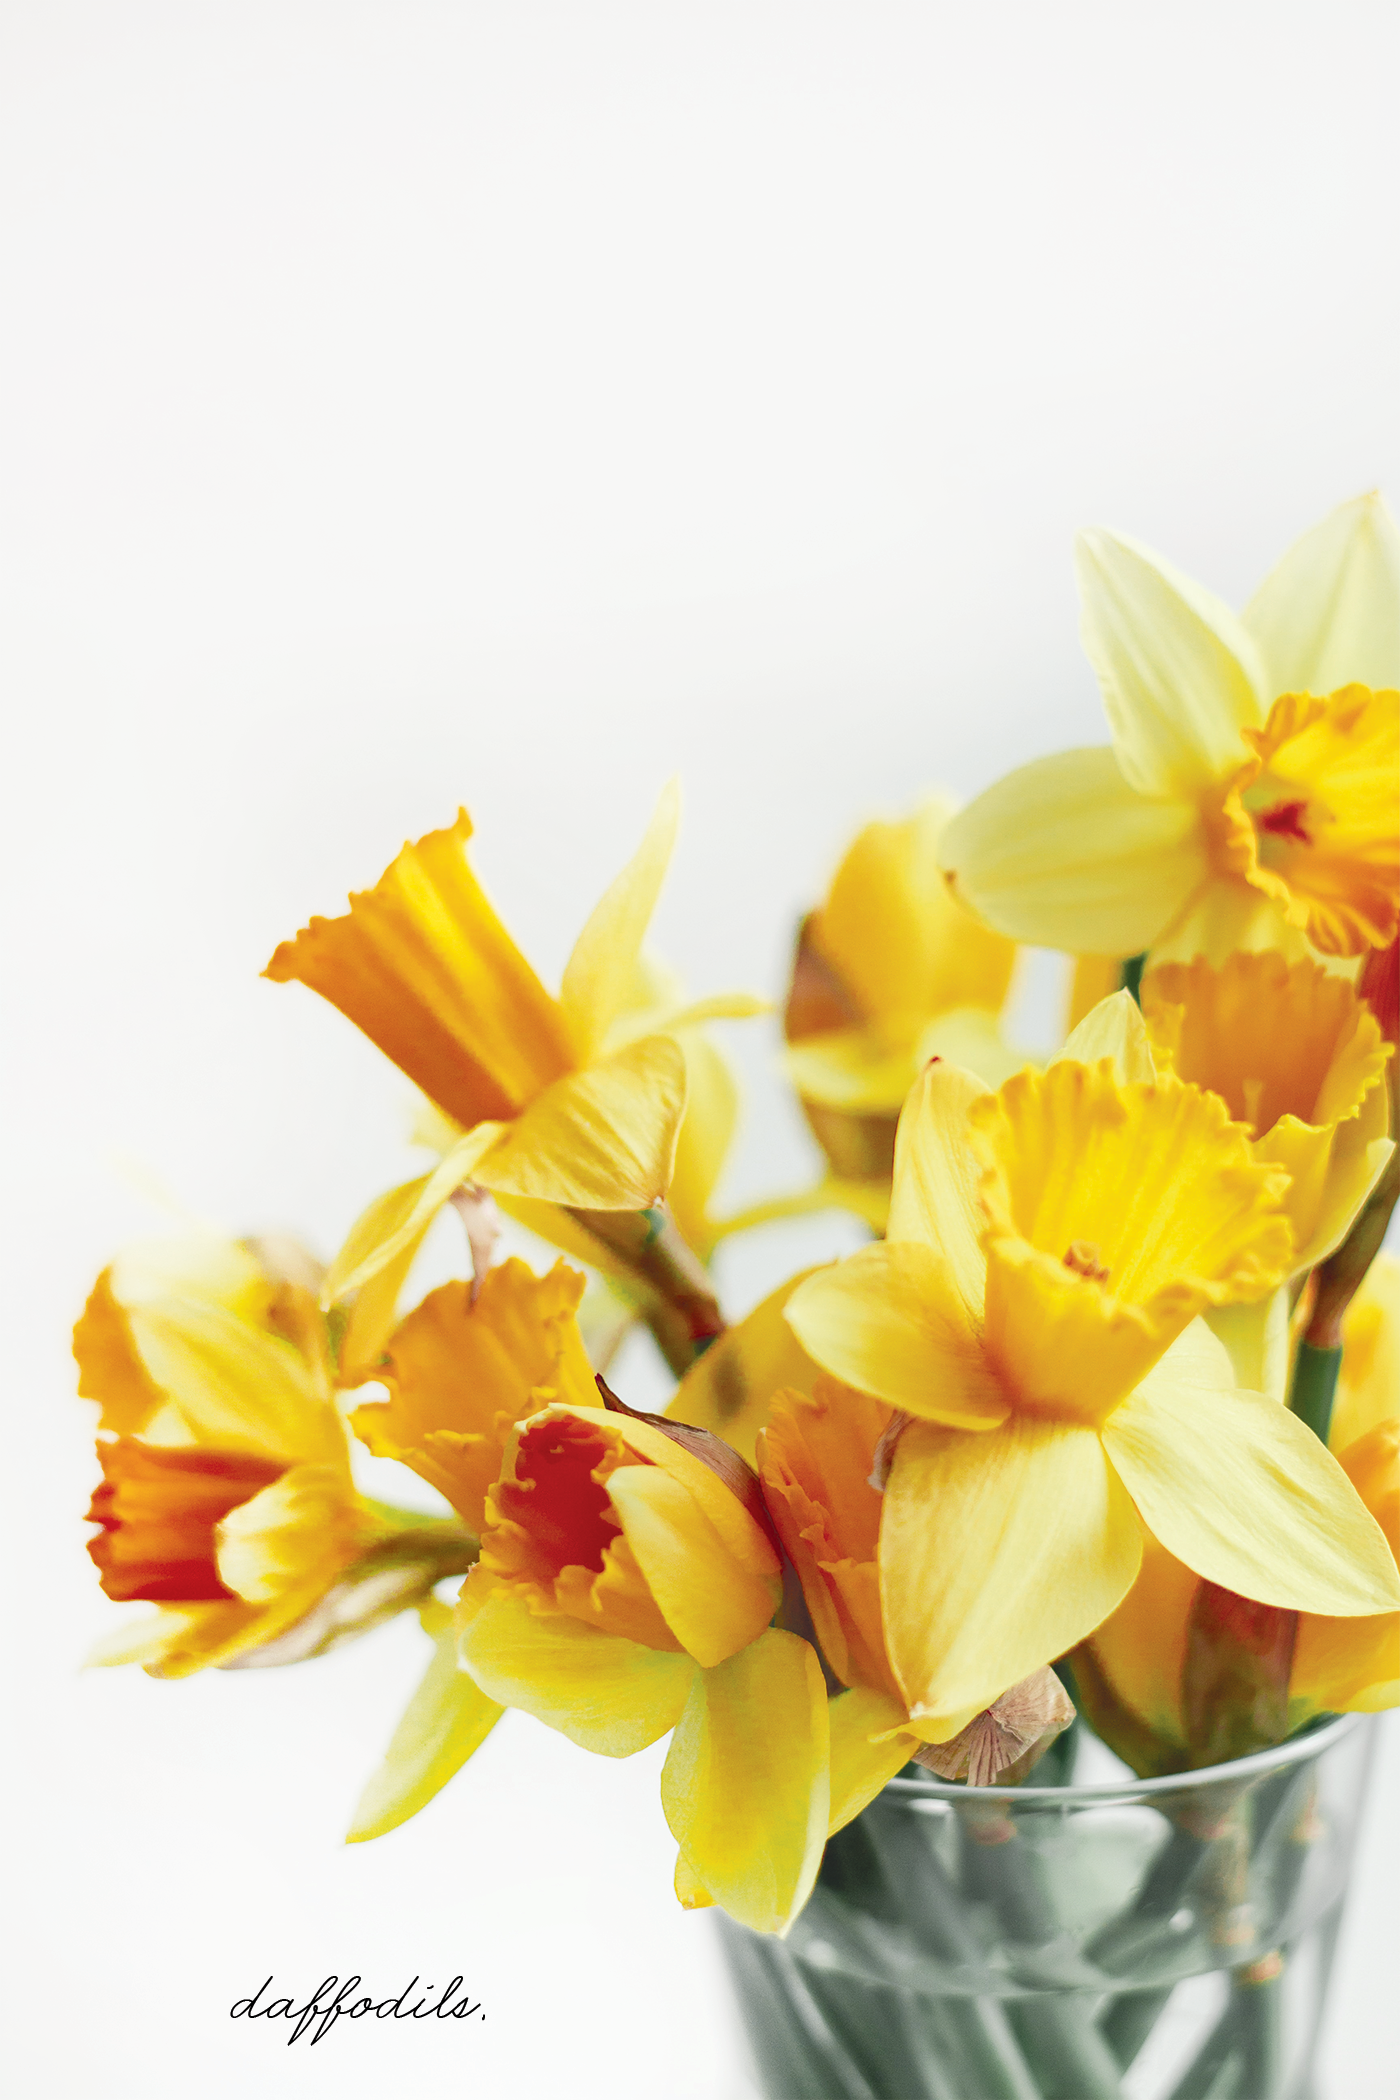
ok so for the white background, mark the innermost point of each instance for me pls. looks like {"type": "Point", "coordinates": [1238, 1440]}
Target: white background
{"type": "Point", "coordinates": [407, 404]}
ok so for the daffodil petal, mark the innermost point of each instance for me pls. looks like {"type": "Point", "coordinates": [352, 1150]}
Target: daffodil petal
{"type": "Point", "coordinates": [423, 965]}
{"type": "Point", "coordinates": [934, 1199]}
{"type": "Point", "coordinates": [599, 974]}
{"type": "Point", "coordinates": [729, 1388]}
{"type": "Point", "coordinates": [1114, 1029]}
{"type": "Point", "coordinates": [1242, 1491]}
{"type": "Point", "coordinates": [888, 1321]}
{"type": "Point", "coordinates": [601, 1139]}
{"type": "Point", "coordinates": [851, 1068]}
{"type": "Point", "coordinates": [1064, 853]}
{"type": "Point", "coordinates": [296, 1533]}
{"type": "Point", "coordinates": [395, 1225]}
{"type": "Point", "coordinates": [1180, 675]}
{"type": "Point", "coordinates": [447, 1718]}
{"type": "Point", "coordinates": [603, 1692]}
{"type": "Point", "coordinates": [971, 1036]}
{"type": "Point", "coordinates": [706, 1134]}
{"type": "Point", "coordinates": [712, 1604]}
{"type": "Point", "coordinates": [372, 1313]}
{"type": "Point", "coordinates": [997, 1553]}
{"type": "Point", "coordinates": [1329, 614]}
{"type": "Point", "coordinates": [234, 1387]}
{"type": "Point", "coordinates": [1368, 1391]}
{"type": "Point", "coordinates": [745, 1784]}
{"type": "Point", "coordinates": [870, 1741]}
{"type": "Point", "coordinates": [110, 1369]}
{"type": "Point", "coordinates": [690, 1892]}
{"type": "Point", "coordinates": [1256, 1339]}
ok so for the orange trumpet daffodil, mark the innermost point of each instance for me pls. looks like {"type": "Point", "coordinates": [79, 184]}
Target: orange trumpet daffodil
{"type": "Point", "coordinates": [626, 1588]}
{"type": "Point", "coordinates": [547, 1109]}
{"type": "Point", "coordinates": [227, 1498]}
{"type": "Point", "coordinates": [1033, 1312]}
{"type": "Point", "coordinates": [1251, 794]}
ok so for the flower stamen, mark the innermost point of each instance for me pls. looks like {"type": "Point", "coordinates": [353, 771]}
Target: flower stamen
{"type": "Point", "coordinates": [1082, 1257]}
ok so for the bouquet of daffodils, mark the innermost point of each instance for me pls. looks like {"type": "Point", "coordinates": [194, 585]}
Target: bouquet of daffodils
{"type": "Point", "coordinates": [1103, 1416]}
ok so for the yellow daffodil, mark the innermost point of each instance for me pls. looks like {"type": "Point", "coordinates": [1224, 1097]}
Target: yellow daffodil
{"type": "Point", "coordinates": [730, 1388]}
{"type": "Point", "coordinates": [1340, 1665]}
{"type": "Point", "coordinates": [227, 1498]}
{"type": "Point", "coordinates": [1298, 1060]}
{"type": "Point", "coordinates": [1033, 1311]}
{"type": "Point", "coordinates": [1249, 798]}
{"type": "Point", "coordinates": [888, 973]}
{"type": "Point", "coordinates": [626, 1588]}
{"type": "Point", "coordinates": [547, 1110]}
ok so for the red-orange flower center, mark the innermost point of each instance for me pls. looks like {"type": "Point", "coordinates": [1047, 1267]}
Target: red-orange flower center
{"type": "Point", "coordinates": [158, 1510]}
{"type": "Point", "coordinates": [556, 1499]}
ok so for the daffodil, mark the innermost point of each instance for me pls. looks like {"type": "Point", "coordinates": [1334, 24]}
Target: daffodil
{"type": "Point", "coordinates": [888, 973]}
{"type": "Point", "coordinates": [626, 1587]}
{"type": "Point", "coordinates": [546, 1109]}
{"type": "Point", "coordinates": [1299, 1061]}
{"type": "Point", "coordinates": [620, 1293]}
{"type": "Point", "coordinates": [1339, 1665]}
{"type": "Point", "coordinates": [227, 1498]}
{"type": "Point", "coordinates": [1033, 1312]}
{"type": "Point", "coordinates": [1249, 798]}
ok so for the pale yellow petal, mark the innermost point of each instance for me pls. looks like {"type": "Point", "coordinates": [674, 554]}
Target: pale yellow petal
{"type": "Point", "coordinates": [599, 974]}
{"type": "Point", "coordinates": [396, 1224]}
{"type": "Point", "coordinates": [1242, 1491]}
{"type": "Point", "coordinates": [603, 1692]}
{"type": "Point", "coordinates": [1116, 1030]}
{"type": "Point", "coordinates": [1256, 1339]}
{"type": "Point", "coordinates": [706, 1134]}
{"type": "Point", "coordinates": [935, 1198]}
{"type": "Point", "coordinates": [997, 1554]}
{"type": "Point", "coordinates": [852, 1068]}
{"type": "Point", "coordinates": [447, 1718]}
{"type": "Point", "coordinates": [234, 1386]}
{"type": "Point", "coordinates": [690, 1893]}
{"type": "Point", "coordinates": [1226, 916]}
{"type": "Point", "coordinates": [743, 1536]}
{"type": "Point", "coordinates": [745, 1785]}
{"type": "Point", "coordinates": [1063, 853]}
{"type": "Point", "coordinates": [870, 1741]}
{"type": "Point", "coordinates": [373, 1308]}
{"type": "Point", "coordinates": [970, 1036]}
{"type": "Point", "coordinates": [602, 1139]}
{"type": "Point", "coordinates": [1329, 614]}
{"type": "Point", "coordinates": [729, 1388]}
{"type": "Point", "coordinates": [712, 1604]}
{"type": "Point", "coordinates": [888, 1321]}
{"type": "Point", "coordinates": [1180, 675]}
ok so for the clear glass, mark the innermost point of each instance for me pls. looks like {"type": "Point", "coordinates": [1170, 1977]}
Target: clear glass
{"type": "Point", "coordinates": [1159, 1939]}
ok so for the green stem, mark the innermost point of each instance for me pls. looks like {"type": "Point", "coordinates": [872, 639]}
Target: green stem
{"type": "Point", "coordinates": [1131, 979]}
{"type": "Point", "coordinates": [1315, 1387]}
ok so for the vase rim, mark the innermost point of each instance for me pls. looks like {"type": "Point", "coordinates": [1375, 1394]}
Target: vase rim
{"type": "Point", "coordinates": [1310, 1743]}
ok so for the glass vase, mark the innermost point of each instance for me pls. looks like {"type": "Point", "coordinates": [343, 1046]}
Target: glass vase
{"type": "Point", "coordinates": [1159, 1939]}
